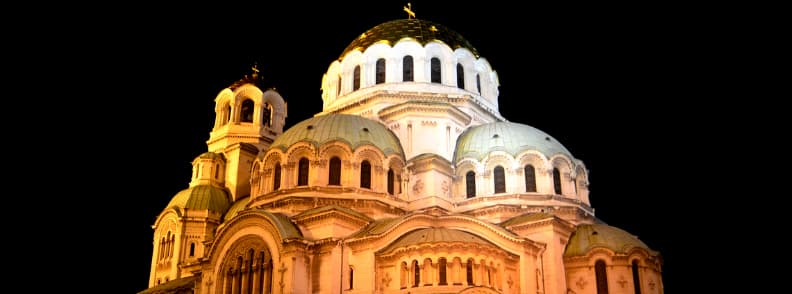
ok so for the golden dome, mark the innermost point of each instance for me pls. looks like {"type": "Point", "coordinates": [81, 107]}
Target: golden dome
{"type": "Point", "coordinates": [421, 31]}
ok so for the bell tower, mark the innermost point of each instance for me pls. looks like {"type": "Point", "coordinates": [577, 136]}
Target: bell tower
{"type": "Point", "coordinates": [247, 120]}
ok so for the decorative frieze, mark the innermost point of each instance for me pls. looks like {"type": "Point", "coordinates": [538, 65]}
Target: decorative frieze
{"type": "Point", "coordinates": [581, 283]}
{"type": "Point", "coordinates": [418, 187]}
{"type": "Point", "coordinates": [319, 163]}
{"type": "Point", "coordinates": [429, 123]}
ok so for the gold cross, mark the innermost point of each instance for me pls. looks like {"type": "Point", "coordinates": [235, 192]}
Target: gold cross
{"type": "Point", "coordinates": [408, 9]}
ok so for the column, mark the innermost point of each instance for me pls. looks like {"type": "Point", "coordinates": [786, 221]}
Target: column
{"type": "Point", "coordinates": [244, 272]}
{"type": "Point", "coordinates": [266, 277]}
{"type": "Point", "coordinates": [227, 279]}
{"type": "Point", "coordinates": [256, 278]}
{"type": "Point", "coordinates": [234, 282]}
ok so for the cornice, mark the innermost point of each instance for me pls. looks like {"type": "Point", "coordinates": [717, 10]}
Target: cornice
{"type": "Point", "coordinates": [392, 112]}
{"type": "Point", "coordinates": [371, 95]}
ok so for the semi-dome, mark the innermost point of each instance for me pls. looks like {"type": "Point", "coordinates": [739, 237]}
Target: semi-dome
{"type": "Point", "coordinates": [434, 235]}
{"type": "Point", "coordinates": [352, 129]}
{"type": "Point", "coordinates": [590, 236]}
{"type": "Point", "coordinates": [421, 31]}
{"type": "Point", "coordinates": [509, 137]}
{"type": "Point", "coordinates": [235, 208]}
{"type": "Point", "coordinates": [202, 197]}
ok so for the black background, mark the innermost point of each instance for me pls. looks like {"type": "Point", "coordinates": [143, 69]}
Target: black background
{"type": "Point", "coordinates": [614, 83]}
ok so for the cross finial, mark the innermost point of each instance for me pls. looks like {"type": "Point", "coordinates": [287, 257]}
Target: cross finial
{"type": "Point", "coordinates": [408, 9]}
{"type": "Point", "coordinates": [255, 70]}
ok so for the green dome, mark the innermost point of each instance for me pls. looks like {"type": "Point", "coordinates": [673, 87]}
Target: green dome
{"type": "Point", "coordinates": [509, 137]}
{"type": "Point", "coordinates": [421, 31]}
{"type": "Point", "coordinates": [202, 197]}
{"type": "Point", "coordinates": [434, 235]}
{"type": "Point", "coordinates": [590, 236]}
{"type": "Point", "coordinates": [235, 208]}
{"type": "Point", "coordinates": [351, 129]}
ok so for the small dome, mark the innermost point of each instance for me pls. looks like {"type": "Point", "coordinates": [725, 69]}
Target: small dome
{"type": "Point", "coordinates": [202, 197]}
{"type": "Point", "coordinates": [509, 137]}
{"type": "Point", "coordinates": [434, 235]}
{"type": "Point", "coordinates": [590, 236]}
{"type": "Point", "coordinates": [421, 31]}
{"type": "Point", "coordinates": [235, 208]}
{"type": "Point", "coordinates": [352, 129]}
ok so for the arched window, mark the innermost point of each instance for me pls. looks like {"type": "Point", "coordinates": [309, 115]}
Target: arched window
{"type": "Point", "coordinates": [356, 78]}
{"type": "Point", "coordinates": [407, 69]}
{"type": "Point", "coordinates": [380, 71]}
{"type": "Point", "coordinates": [351, 278]}
{"type": "Point", "coordinates": [391, 179]}
{"type": "Point", "coordinates": [469, 272]}
{"type": "Point", "coordinates": [217, 171]}
{"type": "Point", "coordinates": [248, 270]}
{"type": "Point", "coordinates": [266, 114]}
{"type": "Point", "coordinates": [162, 248]}
{"type": "Point", "coordinates": [192, 249]}
{"type": "Point", "coordinates": [574, 186]}
{"type": "Point", "coordinates": [478, 83]}
{"type": "Point", "coordinates": [470, 184]}
{"type": "Point", "coordinates": [602, 278]}
{"type": "Point", "coordinates": [239, 272]}
{"type": "Point", "coordinates": [171, 243]}
{"type": "Point", "coordinates": [338, 87]}
{"type": "Point", "coordinates": [167, 246]}
{"type": "Point", "coordinates": [365, 174]}
{"type": "Point", "coordinates": [276, 177]}
{"type": "Point", "coordinates": [530, 178]}
{"type": "Point", "coordinates": [500, 180]}
{"type": "Point", "coordinates": [264, 271]}
{"type": "Point", "coordinates": [460, 76]}
{"type": "Point", "coordinates": [247, 111]}
{"type": "Point", "coordinates": [441, 270]}
{"type": "Point", "coordinates": [335, 171]}
{"type": "Point", "coordinates": [435, 66]}
{"type": "Point", "coordinates": [404, 275]}
{"type": "Point", "coordinates": [227, 114]}
{"type": "Point", "coordinates": [636, 278]}
{"type": "Point", "coordinates": [416, 274]}
{"type": "Point", "coordinates": [557, 181]}
{"type": "Point", "coordinates": [302, 172]}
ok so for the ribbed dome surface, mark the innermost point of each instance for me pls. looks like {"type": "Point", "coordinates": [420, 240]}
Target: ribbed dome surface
{"type": "Point", "coordinates": [434, 235]}
{"type": "Point", "coordinates": [352, 129]}
{"type": "Point", "coordinates": [235, 208]}
{"type": "Point", "coordinates": [421, 31]}
{"type": "Point", "coordinates": [202, 197]}
{"type": "Point", "coordinates": [509, 137]}
{"type": "Point", "coordinates": [590, 236]}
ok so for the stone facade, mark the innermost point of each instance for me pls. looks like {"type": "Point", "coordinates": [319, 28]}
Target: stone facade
{"type": "Point", "coordinates": [400, 185]}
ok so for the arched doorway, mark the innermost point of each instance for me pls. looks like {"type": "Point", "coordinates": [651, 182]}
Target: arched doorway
{"type": "Point", "coordinates": [246, 268]}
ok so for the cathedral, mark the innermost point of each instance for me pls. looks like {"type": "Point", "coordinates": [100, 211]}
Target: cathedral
{"type": "Point", "coordinates": [408, 181]}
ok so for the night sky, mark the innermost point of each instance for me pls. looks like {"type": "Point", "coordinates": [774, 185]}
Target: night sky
{"type": "Point", "coordinates": [606, 81]}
